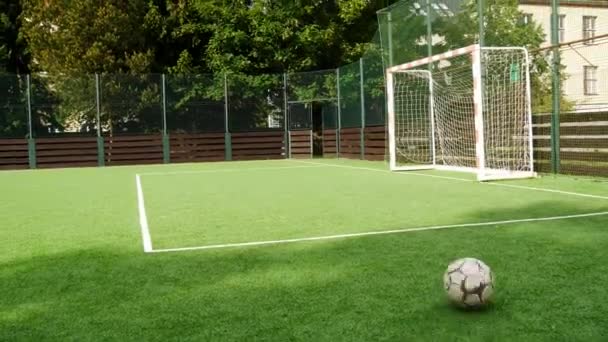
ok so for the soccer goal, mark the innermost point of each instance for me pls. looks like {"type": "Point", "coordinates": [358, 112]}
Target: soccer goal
{"type": "Point", "coordinates": [464, 110]}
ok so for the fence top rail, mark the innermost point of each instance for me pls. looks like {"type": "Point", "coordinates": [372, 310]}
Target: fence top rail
{"type": "Point", "coordinates": [321, 99]}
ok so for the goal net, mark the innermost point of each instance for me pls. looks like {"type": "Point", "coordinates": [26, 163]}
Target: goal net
{"type": "Point", "coordinates": [463, 110]}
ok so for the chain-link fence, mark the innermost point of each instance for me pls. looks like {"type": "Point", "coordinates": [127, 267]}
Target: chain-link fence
{"type": "Point", "coordinates": [351, 98]}
{"type": "Point", "coordinates": [14, 120]}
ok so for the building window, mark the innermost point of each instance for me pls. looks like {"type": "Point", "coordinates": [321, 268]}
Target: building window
{"type": "Point", "coordinates": [589, 28]}
{"type": "Point", "coordinates": [526, 18]}
{"type": "Point", "coordinates": [590, 80]}
{"type": "Point", "coordinates": [562, 28]}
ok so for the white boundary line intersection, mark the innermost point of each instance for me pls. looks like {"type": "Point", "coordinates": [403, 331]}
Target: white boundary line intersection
{"type": "Point", "coordinates": [147, 239]}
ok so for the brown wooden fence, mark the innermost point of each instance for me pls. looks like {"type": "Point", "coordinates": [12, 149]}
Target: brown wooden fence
{"type": "Point", "coordinates": [583, 144]}
{"type": "Point", "coordinates": [187, 148]}
{"type": "Point", "coordinates": [258, 145]}
{"type": "Point", "coordinates": [330, 143]}
{"type": "Point", "coordinates": [301, 144]}
{"type": "Point", "coordinates": [66, 152]}
{"type": "Point", "coordinates": [350, 143]}
{"type": "Point", "coordinates": [375, 143]}
{"type": "Point", "coordinates": [133, 149]}
{"type": "Point", "coordinates": [14, 154]}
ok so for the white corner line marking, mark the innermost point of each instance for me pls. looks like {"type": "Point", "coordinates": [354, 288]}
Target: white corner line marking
{"type": "Point", "coordinates": [143, 219]}
{"type": "Point", "coordinates": [228, 170]}
{"type": "Point", "coordinates": [385, 232]}
{"type": "Point", "coordinates": [408, 173]}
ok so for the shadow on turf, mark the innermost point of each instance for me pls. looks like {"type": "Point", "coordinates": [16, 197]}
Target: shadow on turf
{"type": "Point", "coordinates": [356, 290]}
{"type": "Point", "coordinates": [371, 288]}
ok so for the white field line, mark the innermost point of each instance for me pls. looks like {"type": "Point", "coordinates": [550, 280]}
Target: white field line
{"type": "Point", "coordinates": [143, 219]}
{"type": "Point", "coordinates": [548, 190]}
{"type": "Point", "coordinates": [385, 232]}
{"type": "Point", "coordinates": [386, 171]}
{"type": "Point", "coordinates": [569, 193]}
{"type": "Point", "coordinates": [227, 170]}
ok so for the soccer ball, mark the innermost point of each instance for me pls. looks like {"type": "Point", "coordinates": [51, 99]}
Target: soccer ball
{"type": "Point", "coordinates": [469, 283]}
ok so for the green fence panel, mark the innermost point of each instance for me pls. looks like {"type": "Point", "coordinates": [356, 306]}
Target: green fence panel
{"type": "Point", "coordinates": [13, 106]}
{"type": "Point", "coordinates": [195, 103]}
{"type": "Point", "coordinates": [255, 102]}
{"type": "Point", "coordinates": [63, 105]}
{"type": "Point", "coordinates": [350, 96]}
{"type": "Point", "coordinates": [131, 104]}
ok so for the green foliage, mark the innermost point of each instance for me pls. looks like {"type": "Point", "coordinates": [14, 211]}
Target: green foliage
{"type": "Point", "coordinates": [88, 36]}
{"type": "Point", "coordinates": [189, 37]}
{"type": "Point", "coordinates": [13, 60]}
{"type": "Point", "coordinates": [14, 56]}
{"type": "Point", "coordinates": [62, 103]}
{"type": "Point", "coordinates": [13, 111]}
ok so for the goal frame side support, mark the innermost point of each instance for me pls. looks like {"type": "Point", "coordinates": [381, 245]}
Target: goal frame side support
{"type": "Point", "coordinates": [391, 123]}
{"type": "Point", "coordinates": [391, 107]}
{"type": "Point", "coordinates": [491, 174]}
{"type": "Point", "coordinates": [480, 151]}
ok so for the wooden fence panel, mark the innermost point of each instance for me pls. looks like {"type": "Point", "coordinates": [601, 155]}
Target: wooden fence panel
{"type": "Point", "coordinates": [258, 145]}
{"type": "Point", "coordinates": [66, 151]}
{"type": "Point", "coordinates": [329, 143]}
{"type": "Point", "coordinates": [133, 149]}
{"type": "Point", "coordinates": [350, 143]}
{"type": "Point", "coordinates": [375, 143]}
{"type": "Point", "coordinates": [188, 148]}
{"type": "Point", "coordinates": [13, 154]}
{"type": "Point", "coordinates": [583, 143]}
{"type": "Point", "coordinates": [301, 144]}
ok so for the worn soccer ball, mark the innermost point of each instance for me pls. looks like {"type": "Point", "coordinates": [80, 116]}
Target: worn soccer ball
{"type": "Point", "coordinates": [469, 283]}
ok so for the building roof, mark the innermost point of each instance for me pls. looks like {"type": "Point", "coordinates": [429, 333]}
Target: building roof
{"type": "Point", "coordinates": [568, 3]}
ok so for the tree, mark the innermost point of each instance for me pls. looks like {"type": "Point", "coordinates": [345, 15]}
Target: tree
{"type": "Point", "coordinates": [13, 60]}
{"type": "Point", "coordinates": [88, 36]}
{"type": "Point", "coordinates": [72, 40]}
{"type": "Point", "coordinates": [14, 56]}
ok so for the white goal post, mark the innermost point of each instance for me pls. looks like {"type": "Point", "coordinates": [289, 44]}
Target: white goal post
{"type": "Point", "coordinates": [464, 110]}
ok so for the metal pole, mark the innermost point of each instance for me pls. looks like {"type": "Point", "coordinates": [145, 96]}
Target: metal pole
{"type": "Point", "coordinates": [164, 99]}
{"type": "Point", "coordinates": [287, 137]}
{"type": "Point", "coordinates": [101, 160]}
{"type": "Point", "coordinates": [339, 112]}
{"type": "Point", "coordinates": [28, 84]}
{"type": "Point", "coordinates": [390, 40]}
{"type": "Point", "coordinates": [429, 32]}
{"type": "Point", "coordinates": [480, 15]}
{"type": "Point", "coordinates": [362, 90]}
{"type": "Point", "coordinates": [166, 142]}
{"type": "Point", "coordinates": [227, 136]}
{"type": "Point", "coordinates": [556, 91]}
{"type": "Point", "coordinates": [31, 143]}
{"type": "Point", "coordinates": [479, 123]}
{"type": "Point", "coordinates": [429, 42]}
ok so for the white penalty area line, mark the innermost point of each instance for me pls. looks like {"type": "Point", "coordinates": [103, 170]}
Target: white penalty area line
{"type": "Point", "coordinates": [143, 219]}
{"type": "Point", "coordinates": [409, 173]}
{"type": "Point", "coordinates": [385, 232]}
{"type": "Point", "coordinates": [228, 170]}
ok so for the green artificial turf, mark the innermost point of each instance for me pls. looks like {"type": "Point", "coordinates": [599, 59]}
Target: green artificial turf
{"type": "Point", "coordinates": [72, 265]}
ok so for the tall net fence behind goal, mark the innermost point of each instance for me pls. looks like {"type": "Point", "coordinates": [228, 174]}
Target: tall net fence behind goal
{"type": "Point", "coordinates": [464, 110]}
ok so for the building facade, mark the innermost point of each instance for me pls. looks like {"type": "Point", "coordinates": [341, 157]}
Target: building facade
{"type": "Point", "coordinates": [585, 62]}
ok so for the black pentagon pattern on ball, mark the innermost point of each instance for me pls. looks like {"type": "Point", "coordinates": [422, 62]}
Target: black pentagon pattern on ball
{"type": "Point", "coordinates": [477, 290]}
